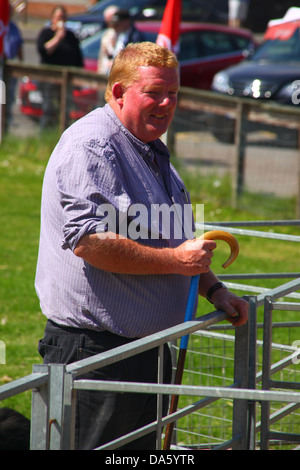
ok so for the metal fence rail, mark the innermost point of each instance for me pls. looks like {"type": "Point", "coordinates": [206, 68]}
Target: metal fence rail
{"type": "Point", "coordinates": [54, 386]}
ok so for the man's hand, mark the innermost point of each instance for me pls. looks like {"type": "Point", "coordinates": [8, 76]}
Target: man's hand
{"type": "Point", "coordinates": [194, 256]}
{"type": "Point", "coordinates": [235, 307]}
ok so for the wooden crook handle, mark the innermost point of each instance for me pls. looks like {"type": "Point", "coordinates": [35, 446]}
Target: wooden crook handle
{"type": "Point", "coordinates": [227, 237]}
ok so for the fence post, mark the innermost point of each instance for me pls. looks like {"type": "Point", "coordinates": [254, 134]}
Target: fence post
{"type": "Point", "coordinates": [56, 401]}
{"type": "Point", "coordinates": [240, 150]}
{"type": "Point", "coordinates": [39, 435]}
{"type": "Point", "coordinates": [252, 370]}
{"type": "Point", "coordinates": [240, 407]}
{"type": "Point", "coordinates": [69, 413]}
{"type": "Point", "coordinates": [266, 368]}
{"type": "Point", "coordinates": [298, 193]}
{"type": "Point", "coordinates": [160, 365]}
{"type": "Point", "coordinates": [63, 102]}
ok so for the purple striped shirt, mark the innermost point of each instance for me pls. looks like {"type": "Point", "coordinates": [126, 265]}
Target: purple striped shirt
{"type": "Point", "coordinates": [98, 164]}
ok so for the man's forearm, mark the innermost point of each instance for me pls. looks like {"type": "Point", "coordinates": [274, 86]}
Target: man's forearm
{"type": "Point", "coordinates": [114, 253]}
{"type": "Point", "coordinates": [121, 255]}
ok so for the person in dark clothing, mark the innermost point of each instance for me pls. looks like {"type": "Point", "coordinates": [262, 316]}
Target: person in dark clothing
{"type": "Point", "coordinates": [56, 46]}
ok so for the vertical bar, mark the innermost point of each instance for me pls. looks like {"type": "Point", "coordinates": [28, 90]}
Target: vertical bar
{"type": "Point", "coordinates": [63, 101]}
{"type": "Point", "coordinates": [266, 370]}
{"type": "Point", "coordinates": [56, 398]}
{"type": "Point", "coordinates": [252, 371]}
{"type": "Point", "coordinates": [240, 407]}
{"type": "Point", "coordinates": [39, 433]}
{"type": "Point", "coordinates": [298, 193]}
{"type": "Point", "coordinates": [240, 150]}
{"type": "Point", "coordinates": [69, 413]}
{"type": "Point", "coordinates": [159, 396]}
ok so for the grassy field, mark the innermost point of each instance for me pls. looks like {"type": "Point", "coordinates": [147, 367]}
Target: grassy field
{"type": "Point", "coordinates": [22, 164]}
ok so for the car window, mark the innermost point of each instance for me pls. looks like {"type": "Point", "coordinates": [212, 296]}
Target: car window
{"type": "Point", "coordinates": [90, 46]}
{"type": "Point", "coordinates": [196, 44]}
{"type": "Point", "coordinates": [276, 50]}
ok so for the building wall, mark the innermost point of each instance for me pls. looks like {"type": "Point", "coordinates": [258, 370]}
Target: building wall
{"type": "Point", "coordinates": [43, 8]}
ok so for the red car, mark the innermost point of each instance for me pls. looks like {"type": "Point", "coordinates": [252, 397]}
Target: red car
{"type": "Point", "coordinates": [205, 49]}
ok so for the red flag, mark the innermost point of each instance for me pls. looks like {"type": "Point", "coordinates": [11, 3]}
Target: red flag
{"type": "Point", "coordinates": [170, 27]}
{"type": "Point", "coordinates": [4, 19]}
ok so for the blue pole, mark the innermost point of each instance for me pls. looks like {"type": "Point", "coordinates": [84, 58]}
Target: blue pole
{"type": "Point", "coordinates": [193, 292]}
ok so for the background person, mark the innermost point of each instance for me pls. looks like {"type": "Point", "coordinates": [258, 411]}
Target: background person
{"type": "Point", "coordinates": [237, 12]}
{"type": "Point", "coordinates": [121, 31]}
{"type": "Point", "coordinates": [56, 46]}
{"type": "Point", "coordinates": [102, 288]}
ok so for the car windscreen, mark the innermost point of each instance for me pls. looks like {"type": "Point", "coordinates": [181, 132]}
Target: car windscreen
{"type": "Point", "coordinates": [278, 50]}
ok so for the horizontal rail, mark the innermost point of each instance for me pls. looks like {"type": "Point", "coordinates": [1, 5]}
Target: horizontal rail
{"type": "Point", "coordinates": [280, 291]}
{"type": "Point", "coordinates": [250, 233]}
{"type": "Point", "coordinates": [114, 355]}
{"type": "Point", "coordinates": [279, 414]}
{"type": "Point", "coordinates": [188, 390]}
{"type": "Point", "coordinates": [262, 290]}
{"type": "Point", "coordinates": [233, 101]}
{"type": "Point", "coordinates": [28, 382]}
{"type": "Point", "coordinates": [135, 347]}
{"type": "Point", "coordinates": [259, 223]}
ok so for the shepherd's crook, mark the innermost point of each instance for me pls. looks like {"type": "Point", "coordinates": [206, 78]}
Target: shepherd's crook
{"type": "Point", "coordinates": [193, 292]}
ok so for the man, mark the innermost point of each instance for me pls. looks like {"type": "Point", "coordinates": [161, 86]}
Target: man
{"type": "Point", "coordinates": [102, 280]}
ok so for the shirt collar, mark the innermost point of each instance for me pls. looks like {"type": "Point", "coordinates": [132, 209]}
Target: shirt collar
{"type": "Point", "coordinates": [145, 150]}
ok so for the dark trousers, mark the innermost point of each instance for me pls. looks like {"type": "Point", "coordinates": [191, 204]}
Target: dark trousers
{"type": "Point", "coordinates": [104, 416]}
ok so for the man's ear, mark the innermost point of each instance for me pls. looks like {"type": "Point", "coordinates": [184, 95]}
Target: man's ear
{"type": "Point", "coordinates": [117, 92]}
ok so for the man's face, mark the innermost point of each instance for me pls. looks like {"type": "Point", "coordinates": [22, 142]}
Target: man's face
{"type": "Point", "coordinates": [148, 105]}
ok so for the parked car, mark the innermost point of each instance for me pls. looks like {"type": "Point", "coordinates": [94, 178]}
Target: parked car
{"type": "Point", "coordinates": [88, 23]}
{"type": "Point", "coordinates": [272, 72]}
{"type": "Point", "coordinates": [205, 49]}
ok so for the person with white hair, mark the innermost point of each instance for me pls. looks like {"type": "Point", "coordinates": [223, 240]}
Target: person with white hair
{"type": "Point", "coordinates": [237, 12]}
{"type": "Point", "coordinates": [121, 31]}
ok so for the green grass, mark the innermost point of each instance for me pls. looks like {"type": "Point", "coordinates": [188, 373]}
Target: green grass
{"type": "Point", "coordinates": [22, 164]}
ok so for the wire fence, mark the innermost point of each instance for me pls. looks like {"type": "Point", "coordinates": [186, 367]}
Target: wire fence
{"type": "Point", "coordinates": [230, 372]}
{"type": "Point", "coordinates": [210, 362]}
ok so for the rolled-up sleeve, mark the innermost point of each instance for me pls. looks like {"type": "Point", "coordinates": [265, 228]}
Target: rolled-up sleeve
{"type": "Point", "coordinates": [88, 181]}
